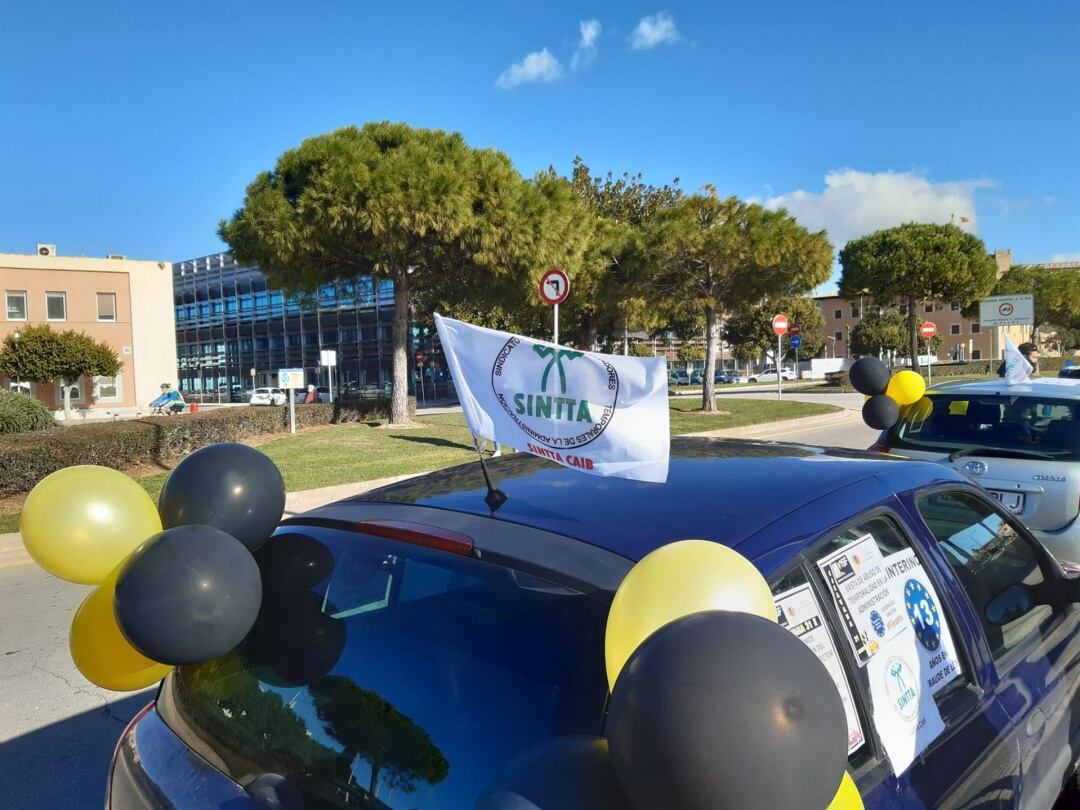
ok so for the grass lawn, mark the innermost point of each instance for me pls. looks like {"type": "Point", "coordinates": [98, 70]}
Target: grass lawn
{"type": "Point", "coordinates": [363, 451]}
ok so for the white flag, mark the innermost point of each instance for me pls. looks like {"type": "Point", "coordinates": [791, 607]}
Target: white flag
{"type": "Point", "coordinates": [1017, 367]}
{"type": "Point", "coordinates": [598, 413]}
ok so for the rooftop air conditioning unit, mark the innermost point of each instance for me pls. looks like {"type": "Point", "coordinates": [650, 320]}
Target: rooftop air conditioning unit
{"type": "Point", "coordinates": [46, 250]}
{"type": "Point", "coordinates": [116, 256]}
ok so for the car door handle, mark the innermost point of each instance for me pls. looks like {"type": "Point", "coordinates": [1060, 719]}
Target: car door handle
{"type": "Point", "coordinates": [1036, 723]}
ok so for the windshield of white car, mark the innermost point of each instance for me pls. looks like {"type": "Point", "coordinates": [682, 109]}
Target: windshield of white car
{"type": "Point", "coordinates": [1020, 426]}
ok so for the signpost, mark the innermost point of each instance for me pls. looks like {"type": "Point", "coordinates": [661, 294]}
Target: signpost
{"type": "Point", "coordinates": [1007, 310]}
{"type": "Point", "coordinates": [419, 358]}
{"type": "Point", "coordinates": [796, 342]}
{"type": "Point", "coordinates": [780, 326]}
{"type": "Point", "coordinates": [554, 287]}
{"type": "Point", "coordinates": [290, 379]}
{"type": "Point", "coordinates": [328, 358]}
{"type": "Point", "coordinates": [928, 330]}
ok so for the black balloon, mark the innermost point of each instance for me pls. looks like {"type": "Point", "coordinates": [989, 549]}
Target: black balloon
{"type": "Point", "coordinates": [880, 412]}
{"type": "Point", "coordinates": [726, 711]}
{"type": "Point", "coordinates": [187, 595]}
{"type": "Point", "coordinates": [295, 640]}
{"type": "Point", "coordinates": [228, 486]}
{"type": "Point", "coordinates": [565, 773]}
{"type": "Point", "coordinates": [869, 376]}
{"type": "Point", "coordinates": [293, 561]}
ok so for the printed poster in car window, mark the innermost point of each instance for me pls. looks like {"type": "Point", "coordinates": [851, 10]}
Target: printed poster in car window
{"type": "Point", "coordinates": [797, 610]}
{"type": "Point", "coordinates": [870, 613]}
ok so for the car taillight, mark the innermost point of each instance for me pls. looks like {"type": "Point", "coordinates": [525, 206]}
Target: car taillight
{"type": "Point", "coordinates": [128, 729]}
{"type": "Point", "coordinates": [879, 447]}
{"type": "Point", "coordinates": [419, 534]}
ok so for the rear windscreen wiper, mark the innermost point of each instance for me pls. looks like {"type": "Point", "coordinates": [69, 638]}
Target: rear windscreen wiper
{"type": "Point", "coordinates": [1001, 452]}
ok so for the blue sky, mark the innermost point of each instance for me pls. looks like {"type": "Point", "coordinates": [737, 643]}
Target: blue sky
{"type": "Point", "coordinates": [133, 127]}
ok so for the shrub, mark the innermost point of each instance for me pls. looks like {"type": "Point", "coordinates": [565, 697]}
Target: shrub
{"type": "Point", "coordinates": [155, 440]}
{"type": "Point", "coordinates": [20, 413]}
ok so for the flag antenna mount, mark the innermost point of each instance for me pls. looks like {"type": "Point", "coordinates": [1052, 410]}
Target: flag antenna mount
{"type": "Point", "coordinates": [495, 498]}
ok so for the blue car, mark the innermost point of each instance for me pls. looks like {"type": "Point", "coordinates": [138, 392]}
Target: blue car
{"type": "Point", "coordinates": [412, 643]}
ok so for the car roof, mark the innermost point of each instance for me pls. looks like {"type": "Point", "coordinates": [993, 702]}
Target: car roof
{"type": "Point", "coordinates": [1058, 387]}
{"type": "Point", "coordinates": [717, 489]}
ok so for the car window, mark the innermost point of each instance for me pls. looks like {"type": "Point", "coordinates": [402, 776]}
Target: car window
{"type": "Point", "coordinates": [996, 566]}
{"type": "Point", "coordinates": [946, 422]}
{"type": "Point", "coordinates": [798, 610]}
{"type": "Point", "coordinates": [900, 639]}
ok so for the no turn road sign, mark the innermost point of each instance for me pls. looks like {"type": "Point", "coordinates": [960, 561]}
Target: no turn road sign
{"type": "Point", "coordinates": [780, 324]}
{"type": "Point", "coordinates": [554, 286]}
{"type": "Point", "coordinates": [928, 329]}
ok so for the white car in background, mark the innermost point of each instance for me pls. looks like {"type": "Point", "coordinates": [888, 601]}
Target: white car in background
{"type": "Point", "coordinates": [768, 374]}
{"type": "Point", "coordinates": [268, 396]}
{"type": "Point", "coordinates": [1019, 442]}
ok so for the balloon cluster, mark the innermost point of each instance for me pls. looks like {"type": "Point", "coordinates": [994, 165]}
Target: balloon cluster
{"type": "Point", "coordinates": [713, 704]}
{"type": "Point", "coordinates": [885, 395]}
{"type": "Point", "coordinates": [177, 583]}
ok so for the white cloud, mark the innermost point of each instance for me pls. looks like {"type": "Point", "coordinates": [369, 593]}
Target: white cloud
{"type": "Point", "coordinates": [1065, 257]}
{"type": "Point", "coordinates": [856, 203]}
{"type": "Point", "coordinates": [658, 29]}
{"type": "Point", "coordinates": [586, 49]}
{"type": "Point", "coordinates": [538, 66]}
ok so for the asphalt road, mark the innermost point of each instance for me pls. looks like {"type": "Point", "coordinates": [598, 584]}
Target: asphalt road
{"type": "Point", "coordinates": [57, 731]}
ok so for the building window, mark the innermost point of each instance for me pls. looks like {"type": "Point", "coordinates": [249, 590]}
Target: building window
{"type": "Point", "coordinates": [108, 389]}
{"type": "Point", "coordinates": [76, 394]}
{"type": "Point", "coordinates": [954, 329]}
{"type": "Point", "coordinates": [106, 306]}
{"type": "Point", "coordinates": [954, 306]}
{"type": "Point", "coordinates": [928, 307]}
{"type": "Point", "coordinates": [838, 335]}
{"type": "Point", "coordinates": [976, 328]}
{"type": "Point", "coordinates": [20, 388]}
{"type": "Point", "coordinates": [854, 311]}
{"type": "Point", "coordinates": [976, 354]}
{"type": "Point", "coordinates": [16, 306]}
{"type": "Point", "coordinates": [838, 314]}
{"type": "Point", "coordinates": [56, 306]}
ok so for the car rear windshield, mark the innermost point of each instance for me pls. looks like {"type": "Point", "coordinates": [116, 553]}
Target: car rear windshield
{"type": "Point", "coordinates": [949, 422]}
{"type": "Point", "coordinates": [386, 675]}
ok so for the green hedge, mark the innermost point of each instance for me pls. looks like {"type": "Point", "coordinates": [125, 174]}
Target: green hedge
{"type": "Point", "coordinates": [26, 459]}
{"type": "Point", "coordinates": [20, 413]}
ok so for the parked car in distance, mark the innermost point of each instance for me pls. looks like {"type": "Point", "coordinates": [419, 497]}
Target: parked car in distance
{"type": "Point", "coordinates": [268, 396]}
{"type": "Point", "coordinates": [472, 631]}
{"type": "Point", "coordinates": [768, 374]}
{"type": "Point", "coordinates": [697, 377]}
{"type": "Point", "coordinates": [678, 377]}
{"type": "Point", "coordinates": [1020, 442]}
{"type": "Point", "coordinates": [727, 377]}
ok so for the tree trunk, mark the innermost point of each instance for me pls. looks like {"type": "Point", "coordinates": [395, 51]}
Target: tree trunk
{"type": "Point", "coordinates": [65, 389]}
{"type": "Point", "coordinates": [399, 397]}
{"type": "Point", "coordinates": [913, 330]}
{"type": "Point", "coordinates": [712, 341]}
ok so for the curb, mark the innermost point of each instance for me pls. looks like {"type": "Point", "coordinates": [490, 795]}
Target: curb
{"type": "Point", "coordinates": [783, 425]}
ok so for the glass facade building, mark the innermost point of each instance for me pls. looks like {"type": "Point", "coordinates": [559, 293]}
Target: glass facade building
{"type": "Point", "coordinates": [233, 331]}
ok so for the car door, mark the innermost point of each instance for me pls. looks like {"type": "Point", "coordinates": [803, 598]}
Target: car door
{"type": "Point", "coordinates": [934, 734]}
{"type": "Point", "coordinates": [1029, 634]}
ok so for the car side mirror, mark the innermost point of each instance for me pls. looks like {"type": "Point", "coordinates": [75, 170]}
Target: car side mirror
{"type": "Point", "coordinates": [1009, 605]}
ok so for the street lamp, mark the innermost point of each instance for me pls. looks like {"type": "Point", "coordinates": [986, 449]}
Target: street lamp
{"type": "Point", "coordinates": [833, 339]}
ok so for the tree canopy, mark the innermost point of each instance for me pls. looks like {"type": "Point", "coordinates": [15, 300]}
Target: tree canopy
{"type": "Point", "coordinates": [917, 262]}
{"type": "Point", "coordinates": [418, 206]}
{"type": "Point", "coordinates": [370, 727]}
{"type": "Point", "coordinates": [709, 256]}
{"type": "Point", "coordinates": [41, 355]}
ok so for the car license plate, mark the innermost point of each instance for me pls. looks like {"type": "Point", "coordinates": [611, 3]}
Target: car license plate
{"type": "Point", "coordinates": [1013, 501]}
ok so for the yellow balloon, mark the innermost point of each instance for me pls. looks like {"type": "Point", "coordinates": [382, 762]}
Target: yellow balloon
{"type": "Point", "coordinates": [919, 411]}
{"type": "Point", "coordinates": [676, 580]}
{"type": "Point", "coordinates": [80, 522]}
{"type": "Point", "coordinates": [847, 797]}
{"type": "Point", "coordinates": [99, 649]}
{"type": "Point", "coordinates": [906, 387]}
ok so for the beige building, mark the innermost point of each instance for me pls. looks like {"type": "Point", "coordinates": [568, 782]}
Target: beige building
{"type": "Point", "coordinates": [126, 304]}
